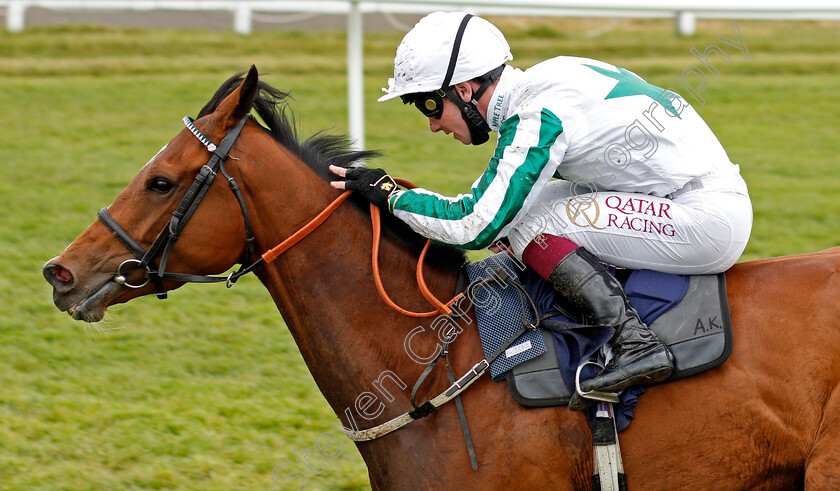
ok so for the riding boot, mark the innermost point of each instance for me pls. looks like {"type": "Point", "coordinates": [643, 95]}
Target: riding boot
{"type": "Point", "coordinates": [639, 357]}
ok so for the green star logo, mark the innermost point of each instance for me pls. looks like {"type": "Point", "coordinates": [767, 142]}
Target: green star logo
{"type": "Point", "coordinates": [631, 84]}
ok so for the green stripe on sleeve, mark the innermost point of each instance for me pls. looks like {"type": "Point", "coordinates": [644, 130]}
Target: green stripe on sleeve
{"type": "Point", "coordinates": [523, 179]}
{"type": "Point", "coordinates": [443, 209]}
{"type": "Point", "coordinates": [519, 187]}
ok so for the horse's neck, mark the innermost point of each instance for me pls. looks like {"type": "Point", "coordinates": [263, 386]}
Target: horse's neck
{"type": "Point", "coordinates": [325, 291]}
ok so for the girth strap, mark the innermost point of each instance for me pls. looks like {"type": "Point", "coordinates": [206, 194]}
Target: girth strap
{"type": "Point", "coordinates": [426, 409]}
{"type": "Point", "coordinates": [465, 429]}
{"type": "Point", "coordinates": [608, 471]}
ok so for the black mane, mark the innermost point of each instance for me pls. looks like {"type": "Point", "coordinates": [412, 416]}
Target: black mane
{"type": "Point", "coordinates": [321, 150]}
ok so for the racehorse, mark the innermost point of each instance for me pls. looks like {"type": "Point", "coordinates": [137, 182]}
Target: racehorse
{"type": "Point", "coordinates": [768, 418]}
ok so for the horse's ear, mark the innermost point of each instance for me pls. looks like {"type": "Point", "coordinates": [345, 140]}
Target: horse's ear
{"type": "Point", "coordinates": [240, 102]}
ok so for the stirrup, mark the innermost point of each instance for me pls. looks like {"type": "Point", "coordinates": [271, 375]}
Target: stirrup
{"type": "Point", "coordinates": [595, 395]}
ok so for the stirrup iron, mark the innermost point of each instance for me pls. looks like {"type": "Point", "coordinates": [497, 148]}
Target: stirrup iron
{"type": "Point", "coordinates": [595, 395]}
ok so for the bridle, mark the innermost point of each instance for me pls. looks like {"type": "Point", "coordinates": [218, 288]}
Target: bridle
{"type": "Point", "coordinates": [166, 239]}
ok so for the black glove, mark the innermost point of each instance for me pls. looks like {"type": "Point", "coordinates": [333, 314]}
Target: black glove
{"type": "Point", "coordinates": [373, 184]}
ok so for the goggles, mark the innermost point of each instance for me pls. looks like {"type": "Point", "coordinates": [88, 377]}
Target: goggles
{"type": "Point", "coordinates": [429, 103]}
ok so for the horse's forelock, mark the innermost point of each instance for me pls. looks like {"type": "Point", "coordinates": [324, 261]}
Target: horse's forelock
{"type": "Point", "coordinates": [318, 151]}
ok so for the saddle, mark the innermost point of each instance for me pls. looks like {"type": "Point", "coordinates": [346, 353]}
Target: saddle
{"type": "Point", "coordinates": [545, 343]}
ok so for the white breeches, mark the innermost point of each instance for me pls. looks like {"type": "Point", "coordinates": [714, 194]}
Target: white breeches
{"type": "Point", "coordinates": [701, 229]}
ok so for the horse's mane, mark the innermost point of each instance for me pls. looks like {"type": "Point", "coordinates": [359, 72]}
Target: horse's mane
{"type": "Point", "coordinates": [321, 150]}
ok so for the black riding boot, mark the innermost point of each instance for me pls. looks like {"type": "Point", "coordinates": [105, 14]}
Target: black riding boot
{"type": "Point", "coordinates": [639, 357]}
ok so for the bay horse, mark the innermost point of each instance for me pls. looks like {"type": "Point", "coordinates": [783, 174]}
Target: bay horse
{"type": "Point", "coordinates": [768, 418]}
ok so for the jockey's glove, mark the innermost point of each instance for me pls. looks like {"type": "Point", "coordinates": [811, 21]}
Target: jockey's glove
{"type": "Point", "coordinates": [374, 184]}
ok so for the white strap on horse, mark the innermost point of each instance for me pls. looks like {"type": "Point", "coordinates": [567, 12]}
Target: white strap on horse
{"type": "Point", "coordinates": [447, 395]}
{"type": "Point", "coordinates": [609, 467]}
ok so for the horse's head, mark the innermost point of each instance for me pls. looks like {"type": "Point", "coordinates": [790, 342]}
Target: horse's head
{"type": "Point", "coordinates": [108, 263]}
{"type": "Point", "coordinates": [176, 222]}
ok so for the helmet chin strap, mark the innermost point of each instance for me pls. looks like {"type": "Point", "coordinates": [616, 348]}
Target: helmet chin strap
{"type": "Point", "coordinates": [479, 129]}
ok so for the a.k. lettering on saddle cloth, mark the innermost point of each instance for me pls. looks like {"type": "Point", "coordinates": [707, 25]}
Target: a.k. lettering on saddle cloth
{"type": "Point", "coordinates": [689, 313]}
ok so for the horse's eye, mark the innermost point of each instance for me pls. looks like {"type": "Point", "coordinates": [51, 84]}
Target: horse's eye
{"type": "Point", "coordinates": [160, 185]}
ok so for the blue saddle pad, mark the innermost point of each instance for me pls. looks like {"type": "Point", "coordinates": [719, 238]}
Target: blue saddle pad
{"type": "Point", "coordinates": [499, 316]}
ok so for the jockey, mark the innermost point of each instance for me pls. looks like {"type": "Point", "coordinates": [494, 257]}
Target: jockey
{"type": "Point", "coordinates": [592, 163]}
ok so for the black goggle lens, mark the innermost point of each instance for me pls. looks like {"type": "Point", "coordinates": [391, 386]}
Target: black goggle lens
{"type": "Point", "coordinates": [430, 104]}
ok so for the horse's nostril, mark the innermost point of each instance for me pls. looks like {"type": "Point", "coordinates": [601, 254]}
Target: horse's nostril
{"type": "Point", "coordinates": [62, 274]}
{"type": "Point", "coordinates": [58, 276]}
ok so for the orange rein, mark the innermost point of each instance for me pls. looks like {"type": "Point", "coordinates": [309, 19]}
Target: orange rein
{"type": "Point", "coordinates": [442, 308]}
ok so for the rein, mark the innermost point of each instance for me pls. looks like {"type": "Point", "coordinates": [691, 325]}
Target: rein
{"type": "Point", "coordinates": [376, 226]}
{"type": "Point", "coordinates": [421, 282]}
{"type": "Point", "coordinates": [166, 239]}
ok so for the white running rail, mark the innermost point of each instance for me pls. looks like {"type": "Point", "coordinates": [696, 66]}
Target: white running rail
{"type": "Point", "coordinates": [684, 12]}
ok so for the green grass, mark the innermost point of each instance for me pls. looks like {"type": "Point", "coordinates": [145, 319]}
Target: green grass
{"type": "Point", "coordinates": [207, 390]}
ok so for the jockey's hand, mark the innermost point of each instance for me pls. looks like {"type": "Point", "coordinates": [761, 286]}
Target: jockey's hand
{"type": "Point", "coordinates": [374, 184]}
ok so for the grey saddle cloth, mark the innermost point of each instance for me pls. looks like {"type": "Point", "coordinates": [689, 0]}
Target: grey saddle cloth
{"type": "Point", "coordinates": [689, 313]}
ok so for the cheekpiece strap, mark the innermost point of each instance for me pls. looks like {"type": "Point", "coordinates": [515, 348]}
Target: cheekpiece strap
{"type": "Point", "coordinates": [188, 122]}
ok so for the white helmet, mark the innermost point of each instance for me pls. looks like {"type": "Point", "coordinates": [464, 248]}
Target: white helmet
{"type": "Point", "coordinates": [424, 55]}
